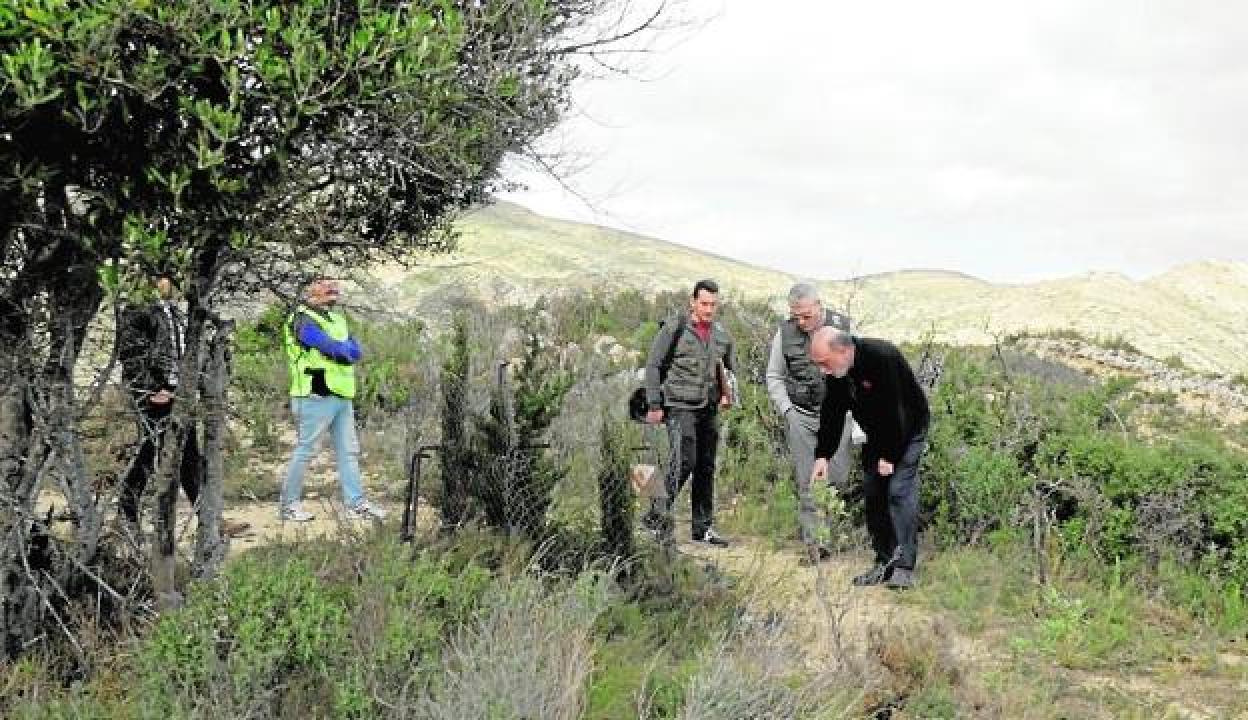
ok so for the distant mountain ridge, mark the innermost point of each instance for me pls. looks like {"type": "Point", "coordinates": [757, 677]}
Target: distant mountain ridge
{"type": "Point", "coordinates": [1197, 312]}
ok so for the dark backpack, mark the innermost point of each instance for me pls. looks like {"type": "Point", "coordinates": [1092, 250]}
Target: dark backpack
{"type": "Point", "coordinates": [638, 406]}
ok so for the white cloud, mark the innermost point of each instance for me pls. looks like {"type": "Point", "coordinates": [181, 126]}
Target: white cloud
{"type": "Point", "coordinates": [1007, 139]}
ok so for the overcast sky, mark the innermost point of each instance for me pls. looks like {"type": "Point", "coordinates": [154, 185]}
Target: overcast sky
{"type": "Point", "coordinates": [1009, 140]}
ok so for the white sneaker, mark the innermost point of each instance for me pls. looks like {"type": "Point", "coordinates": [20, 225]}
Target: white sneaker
{"type": "Point", "coordinates": [368, 511]}
{"type": "Point", "coordinates": [710, 537]}
{"type": "Point", "coordinates": [294, 513]}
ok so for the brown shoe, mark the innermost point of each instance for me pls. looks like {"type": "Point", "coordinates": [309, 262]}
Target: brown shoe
{"type": "Point", "coordinates": [234, 528]}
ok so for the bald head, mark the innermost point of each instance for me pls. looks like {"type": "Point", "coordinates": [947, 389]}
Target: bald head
{"type": "Point", "coordinates": [832, 349]}
{"type": "Point", "coordinates": [322, 293]}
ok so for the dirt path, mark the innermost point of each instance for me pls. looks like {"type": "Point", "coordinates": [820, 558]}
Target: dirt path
{"type": "Point", "coordinates": [331, 520]}
{"type": "Point", "coordinates": [869, 632]}
{"type": "Point", "coordinates": [264, 527]}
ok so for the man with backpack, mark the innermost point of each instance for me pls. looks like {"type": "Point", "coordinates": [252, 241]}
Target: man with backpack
{"type": "Point", "coordinates": [796, 387]}
{"type": "Point", "coordinates": [687, 382]}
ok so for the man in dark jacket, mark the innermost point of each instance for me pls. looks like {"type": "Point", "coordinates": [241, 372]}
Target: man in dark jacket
{"type": "Point", "coordinates": [871, 379]}
{"type": "Point", "coordinates": [686, 385]}
{"type": "Point", "coordinates": [150, 348]}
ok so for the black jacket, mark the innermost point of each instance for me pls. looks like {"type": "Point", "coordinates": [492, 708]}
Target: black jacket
{"type": "Point", "coordinates": [885, 398]}
{"type": "Point", "coordinates": [150, 347]}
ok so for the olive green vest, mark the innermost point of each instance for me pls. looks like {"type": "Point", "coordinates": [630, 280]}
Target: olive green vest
{"type": "Point", "coordinates": [692, 380]}
{"type": "Point", "coordinates": [302, 361]}
{"type": "Point", "coordinates": [805, 382]}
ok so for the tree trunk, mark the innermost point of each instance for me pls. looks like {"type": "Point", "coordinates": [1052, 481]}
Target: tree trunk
{"type": "Point", "coordinates": [14, 408]}
{"type": "Point", "coordinates": [210, 545]}
{"type": "Point", "coordinates": [169, 466]}
{"type": "Point", "coordinates": [53, 300]}
{"type": "Point", "coordinates": [186, 410]}
{"type": "Point", "coordinates": [17, 627]}
{"type": "Point", "coordinates": [76, 300]}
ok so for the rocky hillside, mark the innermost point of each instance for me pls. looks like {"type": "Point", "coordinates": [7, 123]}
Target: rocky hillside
{"type": "Point", "coordinates": [1195, 313]}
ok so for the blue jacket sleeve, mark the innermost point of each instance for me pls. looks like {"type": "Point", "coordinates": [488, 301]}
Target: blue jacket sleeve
{"type": "Point", "coordinates": [353, 351]}
{"type": "Point", "coordinates": [311, 335]}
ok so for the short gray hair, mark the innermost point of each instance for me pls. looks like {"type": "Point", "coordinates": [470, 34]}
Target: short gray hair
{"type": "Point", "coordinates": [803, 291]}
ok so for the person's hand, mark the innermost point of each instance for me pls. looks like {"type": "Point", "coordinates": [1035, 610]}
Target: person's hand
{"type": "Point", "coordinates": [160, 397]}
{"type": "Point", "coordinates": [820, 471]}
{"type": "Point", "coordinates": [884, 468]}
{"type": "Point", "coordinates": [725, 400]}
{"type": "Point", "coordinates": [655, 416]}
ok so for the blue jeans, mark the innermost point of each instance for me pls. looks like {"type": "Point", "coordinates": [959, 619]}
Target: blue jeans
{"type": "Point", "coordinates": [313, 416]}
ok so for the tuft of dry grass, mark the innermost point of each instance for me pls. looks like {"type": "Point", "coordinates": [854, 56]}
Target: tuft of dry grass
{"type": "Point", "coordinates": [529, 655]}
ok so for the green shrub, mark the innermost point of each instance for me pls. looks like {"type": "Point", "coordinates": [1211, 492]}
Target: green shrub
{"type": "Point", "coordinates": [244, 635]}
{"type": "Point", "coordinates": [1118, 343]}
{"type": "Point", "coordinates": [393, 371]}
{"type": "Point", "coordinates": [754, 484]}
{"type": "Point", "coordinates": [291, 628]}
{"type": "Point", "coordinates": [986, 491]}
{"type": "Point", "coordinates": [615, 495]}
{"type": "Point", "coordinates": [1000, 438]}
{"type": "Point", "coordinates": [1213, 600]}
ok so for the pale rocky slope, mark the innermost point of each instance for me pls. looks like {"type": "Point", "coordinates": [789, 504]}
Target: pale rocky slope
{"type": "Point", "coordinates": [1198, 312]}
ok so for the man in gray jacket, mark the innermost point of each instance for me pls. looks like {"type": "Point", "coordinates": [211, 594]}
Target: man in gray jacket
{"type": "Point", "coordinates": [686, 385]}
{"type": "Point", "coordinates": [796, 387]}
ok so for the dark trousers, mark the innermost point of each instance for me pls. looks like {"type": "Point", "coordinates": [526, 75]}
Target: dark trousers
{"type": "Point", "coordinates": [892, 505]}
{"type": "Point", "coordinates": [154, 425]}
{"type": "Point", "coordinates": [694, 436]}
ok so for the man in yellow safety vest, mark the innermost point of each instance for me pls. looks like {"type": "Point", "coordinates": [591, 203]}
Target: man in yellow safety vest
{"type": "Point", "coordinates": [321, 356]}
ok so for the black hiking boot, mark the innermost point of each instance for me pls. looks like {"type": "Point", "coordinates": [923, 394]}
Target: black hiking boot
{"type": "Point", "coordinates": [901, 579]}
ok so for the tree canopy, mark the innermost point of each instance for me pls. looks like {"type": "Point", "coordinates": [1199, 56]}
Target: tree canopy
{"type": "Point", "coordinates": [184, 136]}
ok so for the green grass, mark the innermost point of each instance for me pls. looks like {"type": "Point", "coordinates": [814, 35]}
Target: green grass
{"type": "Point", "coordinates": [975, 587]}
{"type": "Point", "coordinates": [651, 649]}
{"type": "Point", "coordinates": [1087, 617]}
{"type": "Point", "coordinates": [1076, 646]}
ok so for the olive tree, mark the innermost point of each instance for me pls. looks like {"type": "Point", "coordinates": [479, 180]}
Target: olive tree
{"type": "Point", "coordinates": [239, 145]}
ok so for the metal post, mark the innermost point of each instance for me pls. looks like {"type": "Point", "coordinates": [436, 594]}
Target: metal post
{"type": "Point", "coordinates": [407, 532]}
